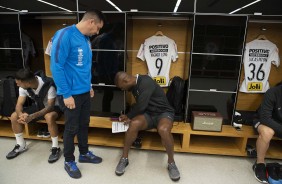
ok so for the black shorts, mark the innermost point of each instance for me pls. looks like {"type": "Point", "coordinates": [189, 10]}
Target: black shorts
{"type": "Point", "coordinates": [32, 109]}
{"type": "Point", "coordinates": [153, 120]}
{"type": "Point", "coordinates": [275, 126]}
{"type": "Point", "coordinates": [256, 124]}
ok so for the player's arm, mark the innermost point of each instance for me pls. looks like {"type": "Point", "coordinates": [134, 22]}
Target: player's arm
{"type": "Point", "coordinates": [146, 90]}
{"type": "Point", "coordinates": [47, 109]}
{"type": "Point", "coordinates": [267, 107]}
{"type": "Point", "coordinates": [59, 55]}
{"type": "Point", "coordinates": [19, 106]}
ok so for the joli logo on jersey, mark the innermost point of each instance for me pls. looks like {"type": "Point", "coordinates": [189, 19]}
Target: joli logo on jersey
{"type": "Point", "coordinates": [255, 86]}
{"type": "Point", "coordinates": [161, 80]}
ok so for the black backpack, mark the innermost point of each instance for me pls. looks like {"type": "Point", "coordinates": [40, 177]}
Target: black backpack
{"type": "Point", "coordinates": [9, 93]}
{"type": "Point", "coordinates": [175, 95]}
{"type": "Point", "coordinates": [38, 99]}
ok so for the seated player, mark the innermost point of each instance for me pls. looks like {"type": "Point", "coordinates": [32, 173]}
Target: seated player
{"type": "Point", "coordinates": [267, 125]}
{"type": "Point", "coordinates": [152, 110]}
{"type": "Point", "coordinates": [45, 108]}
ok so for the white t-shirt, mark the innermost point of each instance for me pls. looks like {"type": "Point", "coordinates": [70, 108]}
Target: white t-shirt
{"type": "Point", "coordinates": [158, 52]}
{"type": "Point", "coordinates": [258, 56]}
{"type": "Point", "coordinates": [51, 92]}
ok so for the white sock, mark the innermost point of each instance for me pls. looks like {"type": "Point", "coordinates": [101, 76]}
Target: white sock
{"type": "Point", "coordinates": [20, 139]}
{"type": "Point", "coordinates": [55, 142]}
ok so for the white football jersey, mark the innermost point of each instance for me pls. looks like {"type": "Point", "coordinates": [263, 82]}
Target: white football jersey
{"type": "Point", "coordinates": [158, 51]}
{"type": "Point", "coordinates": [258, 56]}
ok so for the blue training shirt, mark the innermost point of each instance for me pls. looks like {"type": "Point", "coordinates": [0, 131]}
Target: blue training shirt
{"type": "Point", "coordinates": [71, 60]}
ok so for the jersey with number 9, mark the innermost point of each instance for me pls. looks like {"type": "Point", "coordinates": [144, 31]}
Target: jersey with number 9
{"type": "Point", "coordinates": [158, 51]}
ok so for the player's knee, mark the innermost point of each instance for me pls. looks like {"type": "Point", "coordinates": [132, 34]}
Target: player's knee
{"type": "Point", "coordinates": [50, 118]}
{"type": "Point", "coordinates": [267, 133]}
{"type": "Point", "coordinates": [135, 125]}
{"type": "Point", "coordinates": [164, 129]}
{"type": "Point", "coordinates": [14, 117]}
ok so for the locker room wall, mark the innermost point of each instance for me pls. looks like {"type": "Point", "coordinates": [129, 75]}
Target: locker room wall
{"type": "Point", "coordinates": [180, 31]}
{"type": "Point", "coordinates": [251, 101]}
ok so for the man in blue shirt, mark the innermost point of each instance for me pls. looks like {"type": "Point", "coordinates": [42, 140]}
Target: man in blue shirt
{"type": "Point", "coordinates": [71, 59]}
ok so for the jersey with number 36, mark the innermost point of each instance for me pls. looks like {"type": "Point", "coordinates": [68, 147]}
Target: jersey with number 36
{"type": "Point", "coordinates": [259, 54]}
{"type": "Point", "coordinates": [158, 51]}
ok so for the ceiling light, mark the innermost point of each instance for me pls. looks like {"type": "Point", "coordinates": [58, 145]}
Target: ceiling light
{"type": "Point", "coordinates": [114, 5]}
{"type": "Point", "coordinates": [9, 8]}
{"type": "Point", "coordinates": [177, 5]}
{"type": "Point", "coordinates": [54, 5]}
{"type": "Point", "coordinates": [244, 6]}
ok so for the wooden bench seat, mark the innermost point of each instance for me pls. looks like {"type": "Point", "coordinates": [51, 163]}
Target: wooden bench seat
{"type": "Point", "coordinates": [227, 142]}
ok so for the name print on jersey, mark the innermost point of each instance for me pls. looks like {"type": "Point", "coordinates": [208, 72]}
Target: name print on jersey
{"type": "Point", "coordinates": [158, 51]}
{"type": "Point", "coordinates": [259, 54]}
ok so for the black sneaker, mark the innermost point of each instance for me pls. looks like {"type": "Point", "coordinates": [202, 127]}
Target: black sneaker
{"type": "Point", "coordinates": [260, 172]}
{"type": "Point", "coordinates": [46, 134]}
{"type": "Point", "coordinates": [137, 143]}
{"type": "Point", "coordinates": [40, 133]}
{"type": "Point", "coordinates": [72, 169]}
{"type": "Point", "coordinates": [55, 155]}
{"type": "Point", "coordinates": [16, 151]}
{"type": "Point", "coordinates": [120, 169]}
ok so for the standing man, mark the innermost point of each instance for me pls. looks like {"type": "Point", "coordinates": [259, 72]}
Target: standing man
{"type": "Point", "coordinates": [268, 125]}
{"type": "Point", "coordinates": [71, 59]}
{"type": "Point", "coordinates": [152, 110]}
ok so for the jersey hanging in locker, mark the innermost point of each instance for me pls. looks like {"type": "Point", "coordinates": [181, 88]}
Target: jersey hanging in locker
{"type": "Point", "coordinates": [259, 54]}
{"type": "Point", "coordinates": [158, 51]}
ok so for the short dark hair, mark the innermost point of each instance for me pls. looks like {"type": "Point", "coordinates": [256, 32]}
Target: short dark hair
{"type": "Point", "coordinates": [93, 13]}
{"type": "Point", "coordinates": [24, 74]}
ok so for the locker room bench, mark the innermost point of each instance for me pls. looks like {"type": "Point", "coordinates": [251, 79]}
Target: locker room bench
{"type": "Point", "coordinates": [228, 142]}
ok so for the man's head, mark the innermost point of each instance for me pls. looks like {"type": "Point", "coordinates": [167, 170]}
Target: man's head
{"type": "Point", "coordinates": [93, 21]}
{"type": "Point", "coordinates": [124, 81]}
{"type": "Point", "coordinates": [25, 78]}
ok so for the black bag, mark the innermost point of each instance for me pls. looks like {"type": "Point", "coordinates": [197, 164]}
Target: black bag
{"type": "Point", "coordinates": [9, 93]}
{"type": "Point", "coordinates": [175, 96]}
{"type": "Point", "coordinates": [39, 99]}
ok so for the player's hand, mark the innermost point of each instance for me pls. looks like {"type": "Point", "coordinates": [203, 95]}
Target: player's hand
{"type": "Point", "coordinates": [69, 102]}
{"type": "Point", "coordinates": [23, 116]}
{"type": "Point", "coordinates": [21, 121]}
{"type": "Point", "coordinates": [92, 93]}
{"type": "Point", "coordinates": [125, 119]}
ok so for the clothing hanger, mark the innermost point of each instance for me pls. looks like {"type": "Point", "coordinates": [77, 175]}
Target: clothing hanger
{"type": "Point", "coordinates": [159, 33]}
{"type": "Point", "coordinates": [261, 37]}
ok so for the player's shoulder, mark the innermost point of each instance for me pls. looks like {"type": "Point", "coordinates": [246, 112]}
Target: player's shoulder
{"type": "Point", "coordinates": [145, 79]}
{"type": "Point", "coordinates": [64, 32]}
{"type": "Point", "coordinates": [274, 90]}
